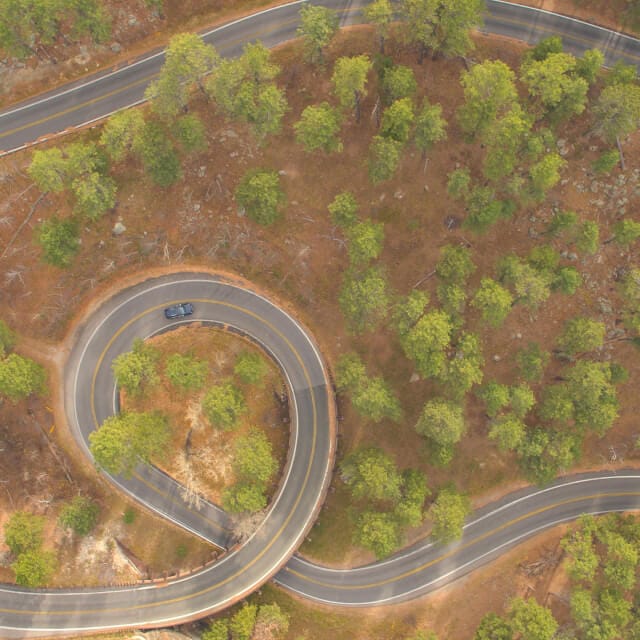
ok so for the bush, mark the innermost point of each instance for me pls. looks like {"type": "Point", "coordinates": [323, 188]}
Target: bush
{"type": "Point", "coordinates": [23, 532]}
{"type": "Point", "coordinates": [250, 368]}
{"type": "Point", "coordinates": [223, 405]}
{"type": "Point", "coordinates": [59, 241]}
{"type": "Point", "coordinates": [260, 195]}
{"type": "Point", "coordinates": [34, 568]}
{"type": "Point", "coordinates": [606, 162]}
{"type": "Point", "coordinates": [187, 372]}
{"type": "Point", "coordinates": [80, 515]}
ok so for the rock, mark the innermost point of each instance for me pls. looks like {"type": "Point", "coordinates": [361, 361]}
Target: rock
{"type": "Point", "coordinates": [414, 377]}
{"type": "Point", "coordinates": [101, 244]}
{"type": "Point", "coordinates": [196, 207]}
{"type": "Point", "coordinates": [605, 306]}
{"type": "Point", "coordinates": [519, 336]}
{"type": "Point", "coordinates": [616, 333]}
{"type": "Point", "coordinates": [118, 229]}
{"type": "Point", "coordinates": [496, 358]}
{"type": "Point", "coordinates": [399, 194]}
{"type": "Point", "coordinates": [595, 186]}
{"type": "Point", "coordinates": [282, 172]}
{"type": "Point", "coordinates": [593, 147]}
{"type": "Point", "coordinates": [116, 47]}
{"type": "Point", "coordinates": [572, 256]}
{"type": "Point", "coordinates": [202, 171]}
{"type": "Point", "coordinates": [426, 187]}
{"type": "Point", "coordinates": [229, 133]}
{"type": "Point", "coordinates": [532, 233]}
{"type": "Point", "coordinates": [564, 181]}
{"type": "Point", "coordinates": [133, 21]}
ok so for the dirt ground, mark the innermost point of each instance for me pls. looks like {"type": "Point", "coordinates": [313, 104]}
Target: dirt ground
{"type": "Point", "coordinates": [301, 260]}
{"type": "Point", "coordinates": [206, 470]}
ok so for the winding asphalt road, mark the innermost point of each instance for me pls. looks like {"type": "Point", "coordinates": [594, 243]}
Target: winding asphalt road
{"type": "Point", "coordinates": [137, 312]}
{"type": "Point", "coordinates": [99, 95]}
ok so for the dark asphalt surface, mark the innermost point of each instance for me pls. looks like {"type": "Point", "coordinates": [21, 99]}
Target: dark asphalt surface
{"type": "Point", "coordinates": [90, 397]}
{"type": "Point", "coordinates": [109, 91]}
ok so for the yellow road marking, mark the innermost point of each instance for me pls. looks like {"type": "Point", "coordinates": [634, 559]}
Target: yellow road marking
{"type": "Point", "coordinates": [453, 552]}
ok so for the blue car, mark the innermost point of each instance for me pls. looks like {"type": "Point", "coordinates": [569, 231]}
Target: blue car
{"type": "Point", "coordinates": [178, 310]}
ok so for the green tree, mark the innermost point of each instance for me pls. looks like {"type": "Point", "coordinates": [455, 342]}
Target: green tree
{"type": "Point", "coordinates": [580, 335]}
{"type": "Point", "coordinates": [522, 399]}
{"type": "Point", "coordinates": [218, 630]}
{"type": "Point", "coordinates": [350, 372]}
{"type": "Point", "coordinates": [531, 287]}
{"type": "Point", "coordinates": [260, 194]}
{"type": "Point", "coordinates": [124, 440]}
{"type": "Point", "coordinates": [34, 568]}
{"type": "Point", "coordinates": [250, 368]}
{"type": "Point", "coordinates": [588, 237]}
{"type": "Point", "coordinates": [489, 93]}
{"type": "Point", "coordinates": [317, 27]}
{"type": "Point", "coordinates": [493, 301]}
{"type": "Point", "coordinates": [384, 158]}
{"type": "Point", "coordinates": [48, 169]}
{"type": "Point", "coordinates": [397, 120]}
{"type": "Point", "coordinates": [554, 83]}
{"type": "Point", "coordinates": [426, 343]}
{"type": "Point", "coordinates": [441, 26]}
{"type": "Point", "coordinates": [374, 400]}
{"type": "Point", "coordinates": [495, 396]}
{"type": "Point", "coordinates": [442, 422]}
{"type": "Point", "coordinates": [243, 621]}
{"type": "Point", "coordinates": [430, 127]}
{"type": "Point", "coordinates": [626, 232]}
{"type": "Point", "coordinates": [187, 61]}
{"type": "Point", "coordinates": [23, 532]}
{"type": "Point", "coordinates": [191, 133]}
{"type": "Point", "coordinates": [408, 312]}
{"type": "Point", "coordinates": [364, 298]}
{"type": "Point", "coordinates": [579, 546]}
{"type": "Point", "coordinates": [493, 627]}
{"type": "Point", "coordinates": [380, 14]}
{"type": "Point", "coordinates": [158, 154]}
{"type": "Point", "coordinates": [545, 174]}
{"type": "Point", "coordinates": [343, 209]}
{"type": "Point", "coordinates": [458, 183]}
{"type": "Point", "coordinates": [372, 475]}
{"type": "Point", "coordinates": [7, 338]}
{"type": "Point", "coordinates": [532, 362]}
{"type": "Point", "coordinates": [589, 66]}
{"type": "Point", "coordinates": [186, 371]}
{"type": "Point", "coordinates": [318, 128]}
{"type": "Point", "coordinates": [378, 532]}
{"type": "Point", "coordinates": [398, 82]}
{"type": "Point", "coordinates": [244, 497]}
{"type": "Point", "coordinates": [455, 264]}
{"type": "Point", "coordinates": [223, 405]}
{"type": "Point", "coordinates": [464, 368]}
{"type": "Point", "coordinates": [59, 240]}
{"type": "Point", "coordinates": [617, 112]}
{"type": "Point", "coordinates": [253, 457]}
{"type": "Point", "coordinates": [531, 620]}
{"type": "Point", "coordinates": [409, 510]}
{"type": "Point", "coordinates": [508, 431]}
{"type": "Point", "coordinates": [366, 240]}
{"type": "Point", "coordinates": [80, 515]}
{"type": "Point", "coordinates": [95, 193]}
{"type": "Point", "coordinates": [567, 280]}
{"type": "Point", "coordinates": [350, 80]}
{"type": "Point", "coordinates": [120, 132]}
{"type": "Point", "coordinates": [20, 377]}
{"type": "Point", "coordinates": [448, 514]}
{"type": "Point", "coordinates": [137, 368]}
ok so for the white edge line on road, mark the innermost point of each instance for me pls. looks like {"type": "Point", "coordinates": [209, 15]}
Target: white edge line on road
{"type": "Point", "coordinates": [144, 60]}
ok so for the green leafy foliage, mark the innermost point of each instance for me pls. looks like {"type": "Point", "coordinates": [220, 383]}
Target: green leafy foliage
{"type": "Point", "coordinates": [371, 474]}
{"type": "Point", "coordinates": [253, 457]}
{"type": "Point", "coordinates": [187, 61]}
{"type": "Point", "coordinates": [120, 132]}
{"type": "Point", "coordinates": [223, 405]}
{"type": "Point", "coordinates": [384, 158]}
{"type": "Point", "coordinates": [137, 368]}
{"type": "Point", "coordinates": [20, 377]}
{"type": "Point", "coordinates": [617, 111]}
{"type": "Point", "coordinates": [317, 27]}
{"type": "Point", "coordinates": [442, 26]}
{"type": "Point", "coordinates": [380, 14]}
{"type": "Point", "coordinates": [442, 423]}
{"type": "Point", "coordinates": [364, 298]}
{"type": "Point", "coordinates": [23, 532]}
{"type": "Point", "coordinates": [489, 92]}
{"type": "Point", "coordinates": [250, 368]}
{"type": "Point", "coordinates": [271, 623]}
{"type": "Point", "coordinates": [158, 154]}
{"type": "Point", "coordinates": [448, 513]}
{"type": "Point", "coordinates": [243, 622]}
{"type": "Point", "coordinates": [343, 210]}
{"type": "Point", "coordinates": [626, 232]}
{"type": "Point", "coordinates": [34, 568]}
{"type": "Point", "coordinates": [318, 128]}
{"type": "Point", "coordinates": [532, 361]}
{"type": "Point", "coordinates": [95, 193]}
{"type": "Point", "coordinates": [397, 120]}
{"type": "Point", "coordinates": [464, 367]}
{"type": "Point", "coordinates": [260, 194]}
{"type": "Point", "coordinates": [80, 515]}
{"type": "Point", "coordinates": [493, 301]}
{"type": "Point", "coordinates": [455, 264]}
{"type": "Point", "coordinates": [509, 431]}
{"type": "Point", "coordinates": [365, 242]}
{"type": "Point", "coordinates": [545, 174]}
{"type": "Point", "coordinates": [7, 338]}
{"type": "Point", "coordinates": [430, 127]}
{"type": "Point", "coordinates": [217, 630]}
{"type": "Point", "coordinates": [59, 240]}
{"type": "Point", "coordinates": [409, 510]}
{"type": "Point", "coordinates": [531, 620]}
{"type": "Point", "coordinates": [378, 532]}
{"type": "Point", "coordinates": [580, 335]}
{"type": "Point", "coordinates": [186, 371]}
{"type": "Point", "coordinates": [493, 627]}
{"type": "Point", "coordinates": [244, 497]}
{"type": "Point", "coordinates": [349, 81]}
{"type": "Point", "coordinates": [124, 440]}
{"type": "Point", "coordinates": [191, 133]}
{"type": "Point", "coordinates": [588, 237]}
{"type": "Point", "coordinates": [398, 82]}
